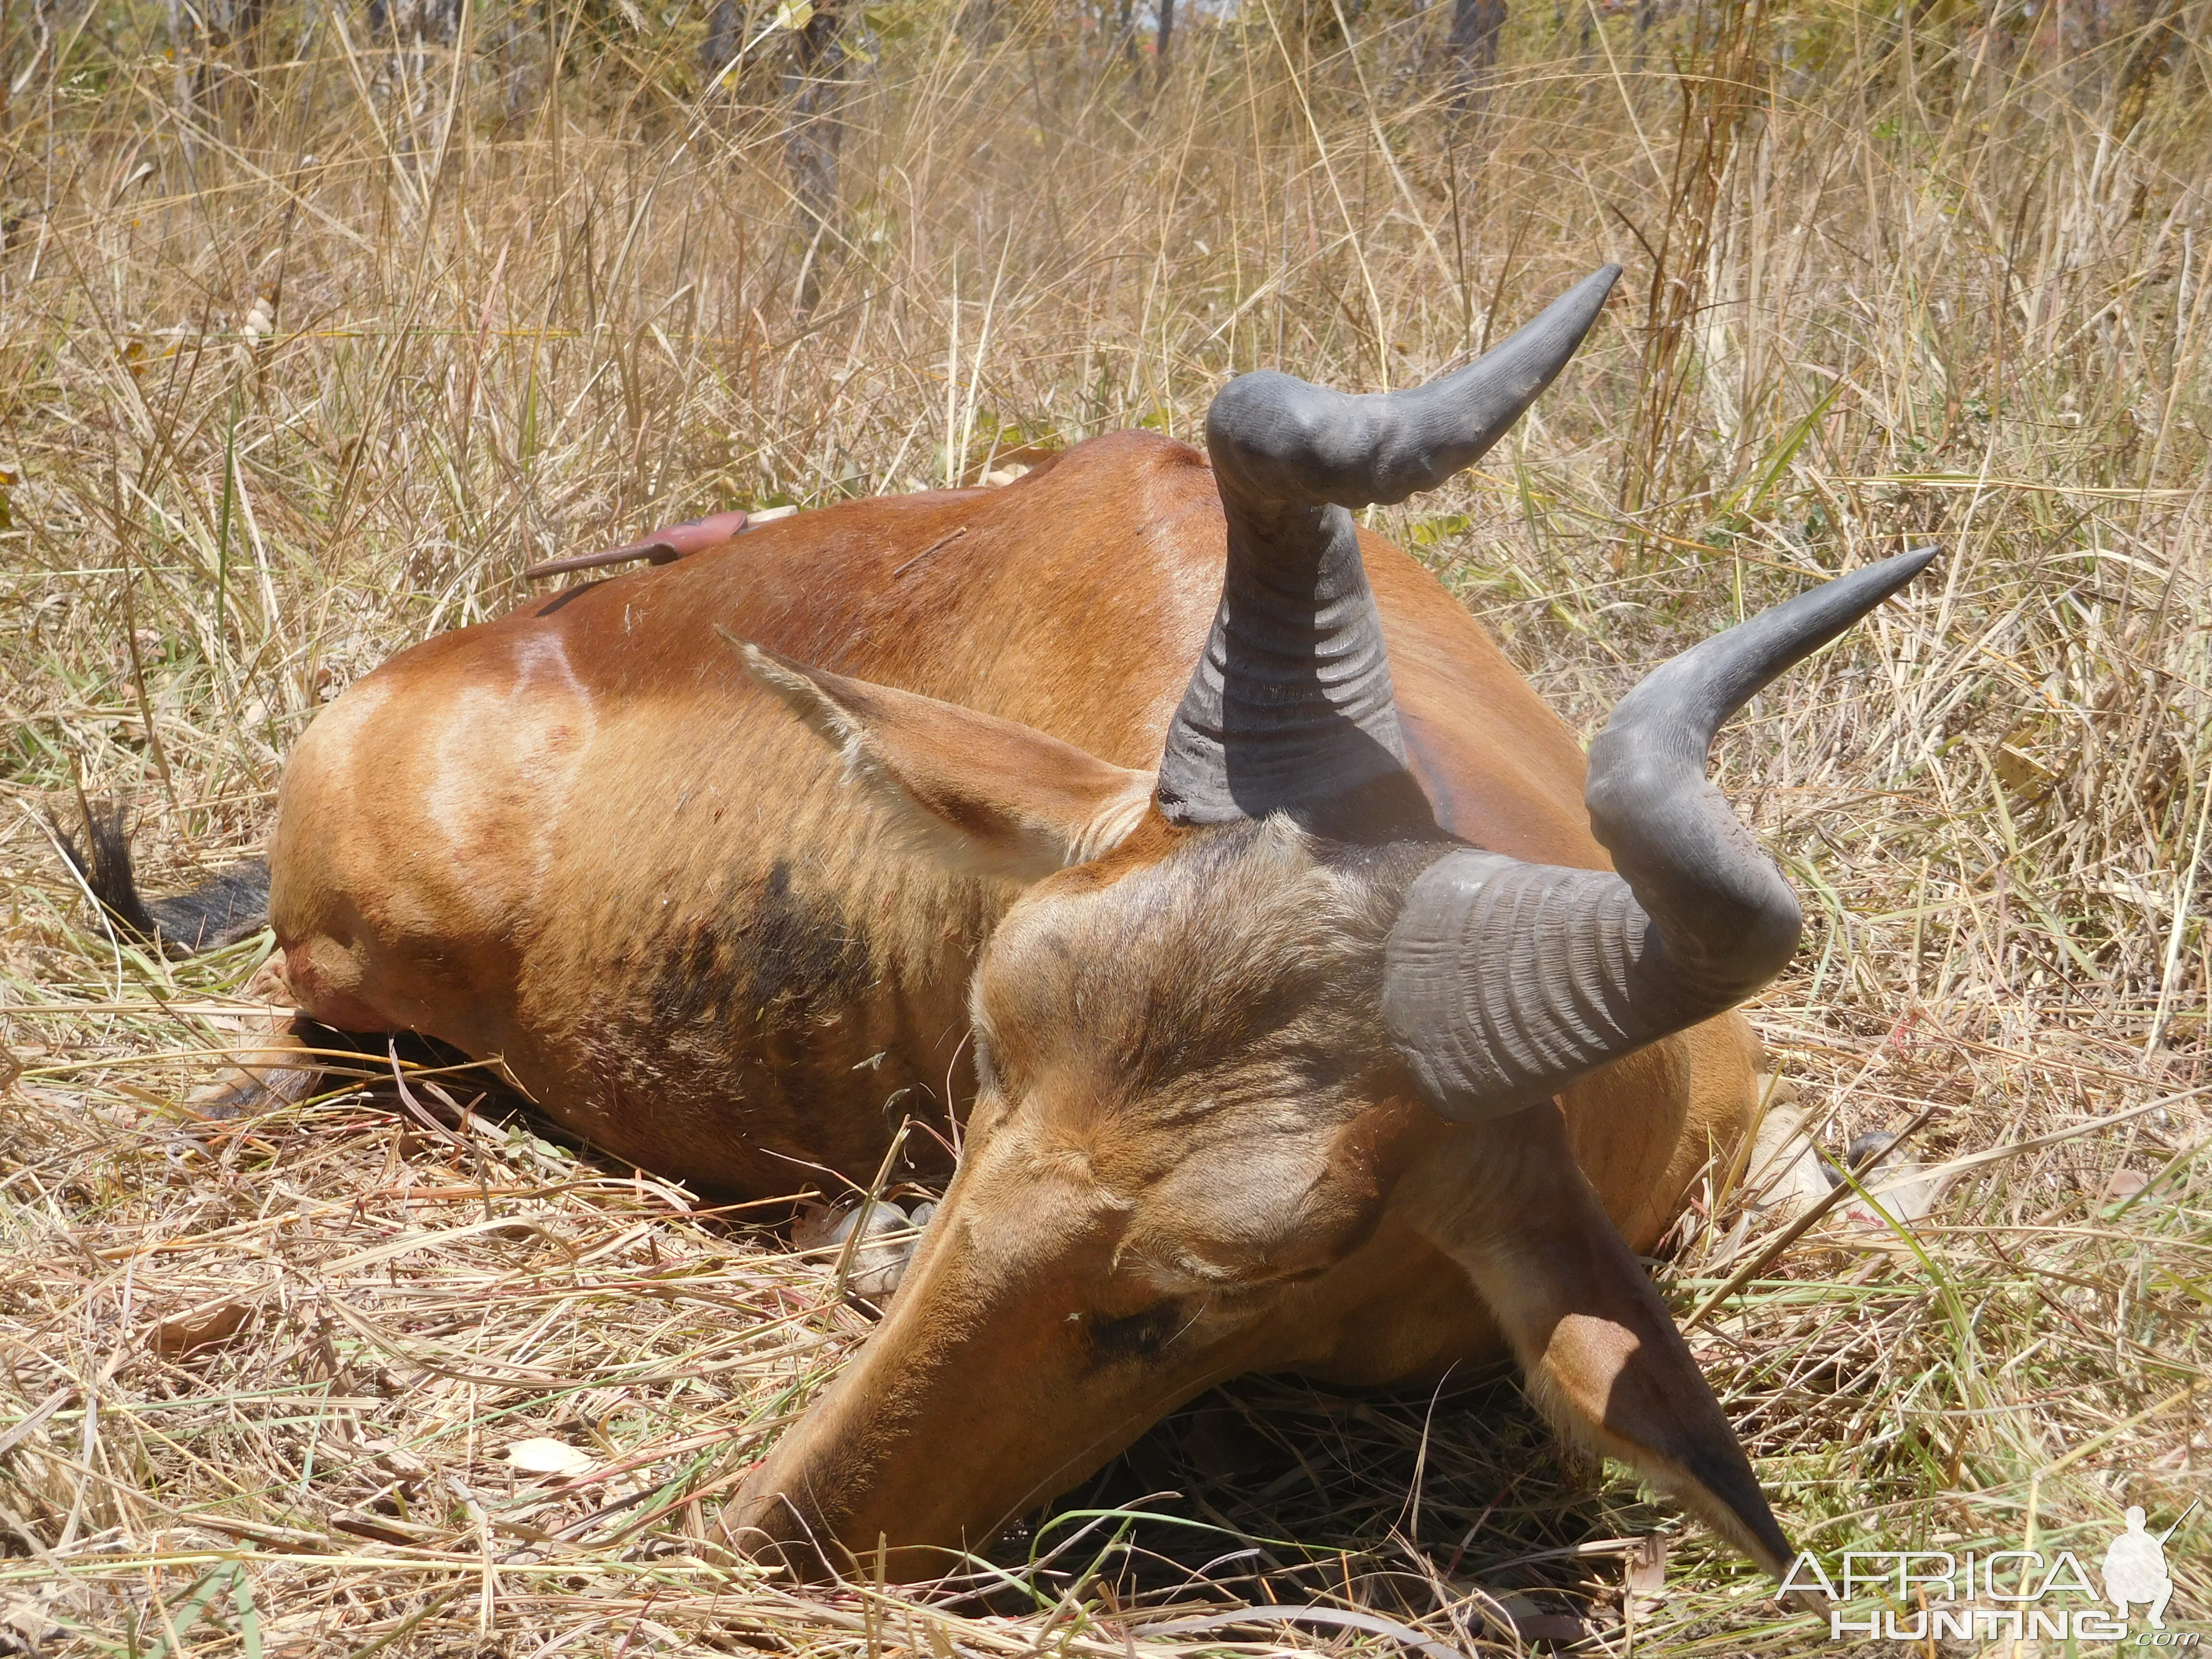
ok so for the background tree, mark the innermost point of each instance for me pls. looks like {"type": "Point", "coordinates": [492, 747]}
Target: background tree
{"type": "Point", "coordinates": [815, 85]}
{"type": "Point", "coordinates": [1475, 27]}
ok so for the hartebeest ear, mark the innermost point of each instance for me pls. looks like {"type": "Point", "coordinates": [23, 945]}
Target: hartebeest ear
{"type": "Point", "coordinates": [994, 797]}
{"type": "Point", "coordinates": [1599, 1348]}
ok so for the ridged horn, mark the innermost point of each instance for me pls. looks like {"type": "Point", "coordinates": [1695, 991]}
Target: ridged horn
{"type": "Point", "coordinates": [1290, 703]}
{"type": "Point", "coordinates": [1504, 983]}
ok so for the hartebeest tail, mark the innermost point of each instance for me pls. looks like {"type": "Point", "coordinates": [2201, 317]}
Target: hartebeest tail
{"type": "Point", "coordinates": [220, 911]}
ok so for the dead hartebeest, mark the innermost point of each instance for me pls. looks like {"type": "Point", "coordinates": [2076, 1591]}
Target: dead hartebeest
{"type": "Point", "coordinates": [1296, 1014]}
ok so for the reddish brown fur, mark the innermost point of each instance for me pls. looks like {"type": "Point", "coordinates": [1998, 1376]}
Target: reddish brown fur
{"type": "Point", "coordinates": [586, 839]}
{"type": "Point", "coordinates": [575, 798]}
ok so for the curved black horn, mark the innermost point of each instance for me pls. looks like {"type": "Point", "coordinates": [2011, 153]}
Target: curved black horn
{"type": "Point", "coordinates": [1291, 701]}
{"type": "Point", "coordinates": [1504, 983]}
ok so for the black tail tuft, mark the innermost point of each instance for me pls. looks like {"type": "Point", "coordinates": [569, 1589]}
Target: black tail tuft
{"type": "Point", "coordinates": [222, 910]}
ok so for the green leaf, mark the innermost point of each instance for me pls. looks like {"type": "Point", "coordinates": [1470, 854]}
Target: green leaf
{"type": "Point", "coordinates": [1746, 501]}
{"type": "Point", "coordinates": [1427, 532]}
{"type": "Point", "coordinates": [249, 1616]}
{"type": "Point", "coordinates": [203, 1591]}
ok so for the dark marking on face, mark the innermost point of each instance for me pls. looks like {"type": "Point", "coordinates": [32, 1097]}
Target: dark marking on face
{"type": "Point", "coordinates": [1135, 1336]}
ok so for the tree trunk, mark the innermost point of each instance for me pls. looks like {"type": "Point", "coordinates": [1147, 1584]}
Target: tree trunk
{"type": "Point", "coordinates": [815, 85]}
{"type": "Point", "coordinates": [182, 54]}
{"type": "Point", "coordinates": [722, 39]}
{"type": "Point", "coordinates": [1475, 26]}
{"type": "Point", "coordinates": [980, 22]}
{"type": "Point", "coordinates": [235, 33]}
{"type": "Point", "coordinates": [1162, 44]}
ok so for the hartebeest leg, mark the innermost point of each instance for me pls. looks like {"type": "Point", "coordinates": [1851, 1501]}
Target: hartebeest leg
{"type": "Point", "coordinates": [877, 1265]}
{"type": "Point", "coordinates": [1600, 1350]}
{"type": "Point", "coordinates": [276, 1064]}
{"type": "Point", "coordinates": [289, 1054]}
{"type": "Point", "coordinates": [279, 1068]}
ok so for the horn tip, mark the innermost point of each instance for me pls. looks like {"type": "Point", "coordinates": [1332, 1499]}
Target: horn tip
{"type": "Point", "coordinates": [1588, 297]}
{"type": "Point", "coordinates": [1898, 570]}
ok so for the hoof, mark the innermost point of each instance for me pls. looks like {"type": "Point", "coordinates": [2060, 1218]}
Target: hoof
{"type": "Point", "coordinates": [878, 1261]}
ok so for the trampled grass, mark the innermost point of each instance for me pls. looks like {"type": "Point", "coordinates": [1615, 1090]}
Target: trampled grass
{"type": "Point", "coordinates": [1891, 276]}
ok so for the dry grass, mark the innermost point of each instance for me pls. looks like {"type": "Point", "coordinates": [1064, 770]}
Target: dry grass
{"type": "Point", "coordinates": [1892, 275]}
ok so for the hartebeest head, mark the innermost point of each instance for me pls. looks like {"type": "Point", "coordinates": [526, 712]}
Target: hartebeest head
{"type": "Point", "coordinates": [1258, 1032]}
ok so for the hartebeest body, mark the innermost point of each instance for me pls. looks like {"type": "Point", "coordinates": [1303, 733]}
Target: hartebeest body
{"type": "Point", "coordinates": [1294, 1017]}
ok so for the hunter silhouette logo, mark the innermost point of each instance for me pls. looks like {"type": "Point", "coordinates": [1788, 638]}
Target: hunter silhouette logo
{"type": "Point", "coordinates": [2135, 1569]}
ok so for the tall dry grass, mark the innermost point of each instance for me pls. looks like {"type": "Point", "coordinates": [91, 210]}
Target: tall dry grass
{"type": "Point", "coordinates": [308, 343]}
